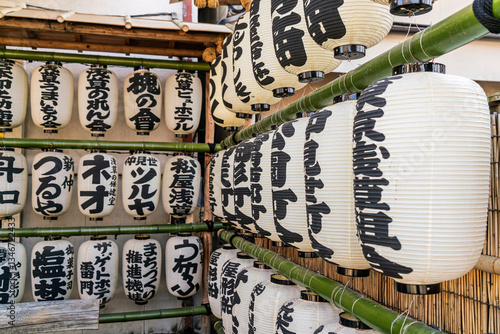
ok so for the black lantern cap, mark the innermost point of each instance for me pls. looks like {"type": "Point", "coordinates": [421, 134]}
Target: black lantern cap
{"type": "Point", "coordinates": [141, 67]}
{"type": "Point", "coordinates": [243, 115]}
{"type": "Point", "coordinates": [348, 52]}
{"type": "Point", "coordinates": [261, 107]}
{"type": "Point", "coordinates": [142, 237]}
{"type": "Point", "coordinates": [260, 265]}
{"type": "Point", "coordinates": [311, 296]}
{"type": "Point", "coordinates": [347, 320]}
{"type": "Point", "coordinates": [57, 237]}
{"type": "Point", "coordinates": [98, 237]}
{"type": "Point", "coordinates": [228, 246]}
{"type": "Point", "coordinates": [410, 7]}
{"type": "Point", "coordinates": [283, 92]}
{"type": "Point", "coordinates": [281, 280]}
{"type": "Point", "coordinates": [184, 234]}
{"type": "Point", "coordinates": [346, 97]}
{"type": "Point", "coordinates": [419, 67]}
{"type": "Point", "coordinates": [311, 76]}
{"type": "Point", "coordinates": [243, 255]}
{"type": "Point", "coordinates": [353, 272]}
{"type": "Point", "coordinates": [416, 289]}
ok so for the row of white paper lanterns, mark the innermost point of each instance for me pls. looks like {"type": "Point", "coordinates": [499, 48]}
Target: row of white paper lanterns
{"type": "Point", "coordinates": [288, 45]}
{"type": "Point", "coordinates": [250, 297]}
{"type": "Point", "coordinates": [52, 99]}
{"type": "Point", "coordinates": [52, 274]}
{"type": "Point", "coordinates": [52, 184]}
{"type": "Point", "coordinates": [396, 181]}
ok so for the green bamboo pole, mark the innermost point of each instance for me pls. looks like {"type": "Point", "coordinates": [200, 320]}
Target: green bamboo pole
{"type": "Point", "coordinates": [103, 60]}
{"type": "Point", "coordinates": [107, 230]}
{"type": "Point", "coordinates": [105, 145]}
{"type": "Point", "coordinates": [153, 314]}
{"type": "Point", "coordinates": [368, 311]}
{"type": "Point", "coordinates": [453, 32]}
{"type": "Point", "coordinates": [219, 329]}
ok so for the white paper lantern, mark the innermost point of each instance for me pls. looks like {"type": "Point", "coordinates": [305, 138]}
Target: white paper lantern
{"type": "Point", "coordinates": [142, 96]}
{"type": "Point", "coordinates": [181, 186]}
{"type": "Point", "coordinates": [296, 51]}
{"type": "Point", "coordinates": [331, 216]}
{"type": "Point", "coordinates": [288, 189]}
{"type": "Point", "coordinates": [52, 183]}
{"type": "Point", "coordinates": [97, 100]}
{"type": "Point", "coordinates": [247, 279]}
{"type": "Point", "coordinates": [141, 180]}
{"type": "Point", "coordinates": [305, 314]}
{"type": "Point", "coordinates": [12, 271]}
{"type": "Point", "coordinates": [347, 324]}
{"type": "Point", "coordinates": [215, 195]}
{"type": "Point", "coordinates": [220, 114]}
{"type": "Point", "coordinates": [141, 268]}
{"type": "Point", "coordinates": [183, 99]}
{"type": "Point", "coordinates": [266, 66]}
{"type": "Point", "coordinates": [13, 182]}
{"type": "Point", "coordinates": [14, 95]}
{"type": "Point", "coordinates": [97, 267]}
{"type": "Point", "coordinates": [184, 265]}
{"type": "Point", "coordinates": [52, 269]}
{"type": "Point", "coordinates": [217, 261]}
{"type": "Point", "coordinates": [266, 300]}
{"type": "Point", "coordinates": [247, 87]}
{"type": "Point", "coordinates": [348, 27]}
{"type": "Point", "coordinates": [230, 271]}
{"type": "Point", "coordinates": [51, 97]}
{"type": "Point", "coordinates": [422, 199]}
{"type": "Point", "coordinates": [97, 185]}
{"type": "Point", "coordinates": [227, 186]}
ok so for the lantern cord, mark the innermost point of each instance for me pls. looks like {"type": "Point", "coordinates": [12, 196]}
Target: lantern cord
{"type": "Point", "coordinates": [483, 11]}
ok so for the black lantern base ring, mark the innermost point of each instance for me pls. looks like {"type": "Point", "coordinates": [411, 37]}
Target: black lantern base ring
{"type": "Point", "coordinates": [283, 92]}
{"type": "Point", "coordinates": [180, 135]}
{"type": "Point", "coordinates": [410, 7]}
{"type": "Point", "coordinates": [139, 218]}
{"type": "Point", "coordinates": [261, 107]}
{"type": "Point", "coordinates": [5, 130]}
{"type": "Point", "coordinates": [308, 255]}
{"type": "Point", "coordinates": [49, 218]}
{"type": "Point", "coordinates": [311, 76]}
{"type": "Point", "coordinates": [141, 302]}
{"type": "Point", "coordinates": [278, 244]}
{"type": "Point", "coordinates": [243, 115]}
{"type": "Point", "coordinates": [143, 133]}
{"type": "Point", "coordinates": [353, 272]}
{"type": "Point", "coordinates": [49, 131]}
{"type": "Point", "coordinates": [97, 219]}
{"type": "Point", "coordinates": [348, 52]}
{"type": "Point", "coordinates": [416, 289]}
{"type": "Point", "coordinates": [230, 128]}
{"type": "Point", "coordinates": [97, 134]}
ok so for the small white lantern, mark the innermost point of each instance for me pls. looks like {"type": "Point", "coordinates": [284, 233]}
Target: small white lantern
{"type": "Point", "coordinates": [184, 265]}
{"type": "Point", "coordinates": [217, 261]}
{"type": "Point", "coordinates": [14, 95]}
{"type": "Point", "coordinates": [52, 183]}
{"type": "Point", "coordinates": [296, 51]}
{"type": "Point", "coordinates": [141, 180]}
{"type": "Point", "coordinates": [347, 324]}
{"type": "Point", "coordinates": [97, 100]}
{"type": "Point", "coordinates": [141, 268]}
{"type": "Point", "coordinates": [97, 185]}
{"type": "Point", "coordinates": [348, 27]}
{"type": "Point", "coordinates": [181, 187]}
{"type": "Point", "coordinates": [215, 195]}
{"type": "Point", "coordinates": [13, 183]}
{"type": "Point", "coordinates": [51, 97]}
{"type": "Point", "coordinates": [183, 98]}
{"type": "Point", "coordinates": [142, 96]}
{"type": "Point", "coordinates": [221, 116]}
{"type": "Point", "coordinates": [266, 67]}
{"type": "Point", "coordinates": [329, 187]}
{"type": "Point", "coordinates": [97, 267]}
{"type": "Point", "coordinates": [12, 271]}
{"type": "Point", "coordinates": [416, 223]}
{"type": "Point", "coordinates": [52, 269]}
{"type": "Point", "coordinates": [227, 185]}
{"type": "Point", "coordinates": [266, 300]}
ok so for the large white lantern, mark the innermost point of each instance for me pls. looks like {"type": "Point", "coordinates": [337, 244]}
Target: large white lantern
{"type": "Point", "coordinates": [14, 95]}
{"type": "Point", "coordinates": [422, 199]}
{"type": "Point", "coordinates": [183, 98]}
{"type": "Point", "coordinates": [97, 100]}
{"type": "Point", "coordinates": [142, 96]}
{"type": "Point", "coordinates": [247, 279]}
{"type": "Point", "coordinates": [181, 186]}
{"type": "Point", "coordinates": [12, 271]}
{"type": "Point", "coordinates": [296, 51]}
{"type": "Point", "coordinates": [13, 183]}
{"type": "Point", "coordinates": [52, 269]}
{"type": "Point", "coordinates": [347, 324]}
{"type": "Point", "coordinates": [229, 276]}
{"type": "Point", "coordinates": [217, 261]}
{"type": "Point", "coordinates": [52, 183]}
{"type": "Point", "coordinates": [305, 314]}
{"type": "Point", "coordinates": [266, 300]}
{"type": "Point", "coordinates": [51, 97]}
{"type": "Point", "coordinates": [220, 114]}
{"type": "Point", "coordinates": [266, 66]}
{"type": "Point", "coordinates": [247, 87]}
{"type": "Point", "coordinates": [227, 182]}
{"type": "Point", "coordinates": [331, 216]}
{"type": "Point", "coordinates": [141, 180]}
{"type": "Point", "coordinates": [97, 185]}
{"type": "Point", "coordinates": [141, 268]}
{"type": "Point", "coordinates": [214, 192]}
{"type": "Point", "coordinates": [288, 189]}
{"type": "Point", "coordinates": [347, 27]}
{"type": "Point", "coordinates": [184, 265]}
{"type": "Point", "coordinates": [97, 267]}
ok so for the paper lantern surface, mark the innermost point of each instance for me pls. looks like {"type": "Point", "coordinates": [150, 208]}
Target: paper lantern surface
{"type": "Point", "coordinates": [215, 195]}
{"type": "Point", "coordinates": [14, 91]}
{"type": "Point", "coordinates": [13, 182]}
{"type": "Point", "coordinates": [13, 265]}
{"type": "Point", "coordinates": [217, 261]}
{"type": "Point", "coordinates": [227, 188]}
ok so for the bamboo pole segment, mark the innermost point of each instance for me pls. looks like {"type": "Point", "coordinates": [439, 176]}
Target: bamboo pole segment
{"type": "Point", "coordinates": [103, 60]}
{"type": "Point", "coordinates": [61, 18]}
{"type": "Point", "coordinates": [457, 30]}
{"type": "Point", "coordinates": [371, 313]}
{"type": "Point", "coordinates": [489, 264]}
{"type": "Point", "coordinates": [184, 27]}
{"type": "Point", "coordinates": [106, 145]}
{"type": "Point", "coordinates": [153, 314]}
{"type": "Point", "coordinates": [108, 230]}
{"type": "Point", "coordinates": [219, 329]}
{"type": "Point", "coordinates": [128, 22]}
{"type": "Point", "coordinates": [5, 11]}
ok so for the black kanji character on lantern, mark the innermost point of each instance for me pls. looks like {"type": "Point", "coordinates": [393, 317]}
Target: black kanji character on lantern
{"type": "Point", "coordinates": [96, 197]}
{"type": "Point", "coordinates": [49, 263]}
{"type": "Point", "coordinates": [186, 267]}
{"type": "Point", "coordinates": [145, 119]}
{"type": "Point", "coordinates": [145, 81]}
{"type": "Point", "coordinates": [7, 167]}
{"type": "Point", "coordinates": [99, 165]}
{"type": "Point", "coordinates": [52, 290]}
{"type": "Point", "coordinates": [141, 187]}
